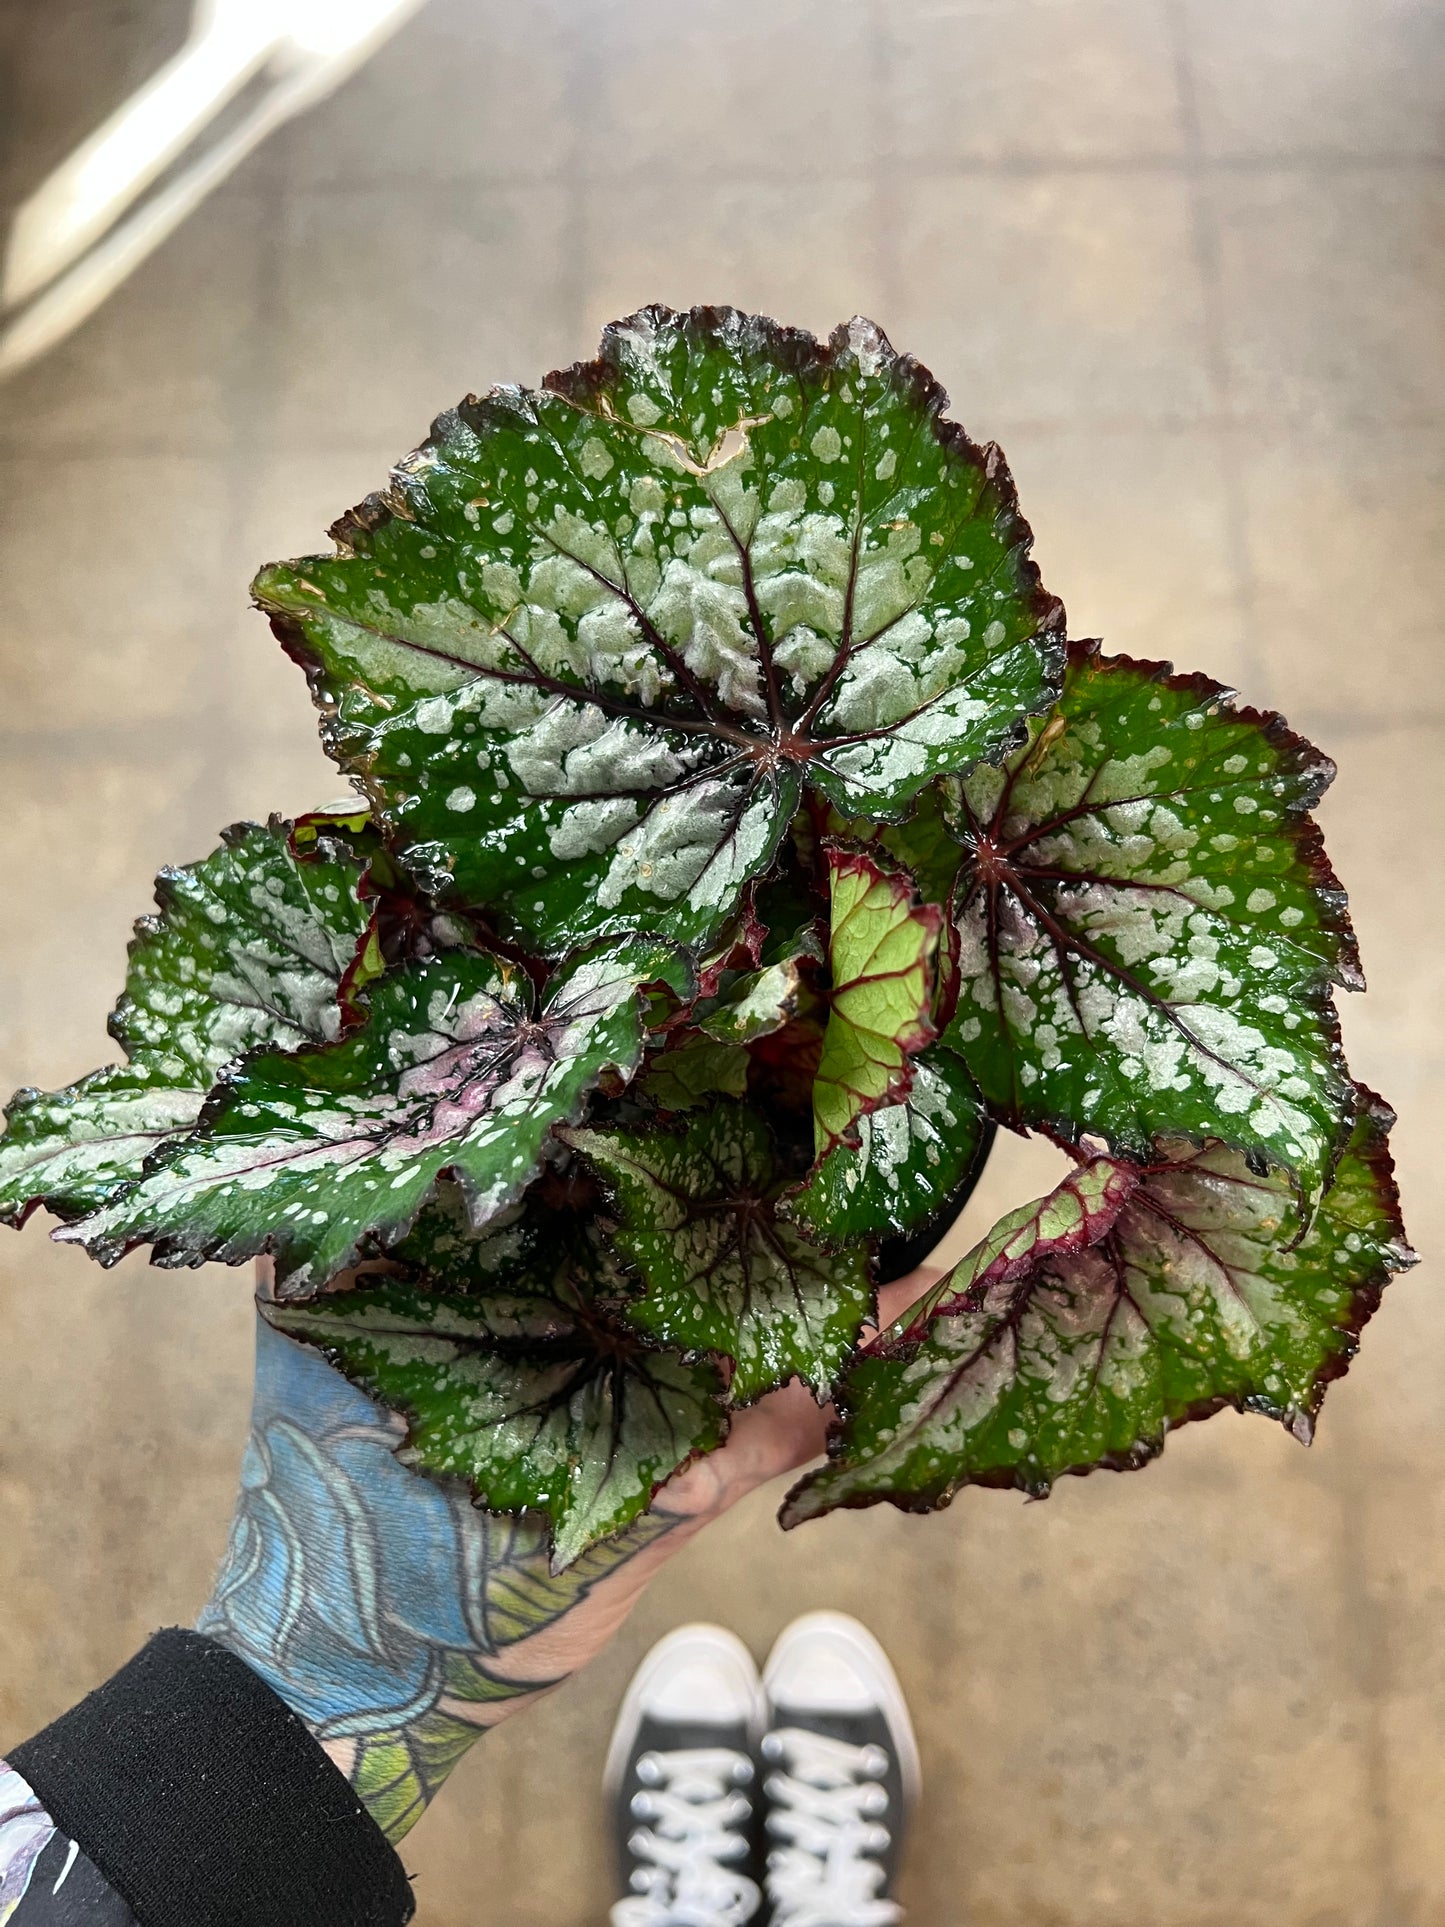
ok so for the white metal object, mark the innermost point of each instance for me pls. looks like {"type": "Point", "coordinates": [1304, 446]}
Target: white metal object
{"type": "Point", "coordinates": [100, 213]}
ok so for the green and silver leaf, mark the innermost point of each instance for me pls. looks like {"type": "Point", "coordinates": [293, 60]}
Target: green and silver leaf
{"type": "Point", "coordinates": [1173, 1291]}
{"type": "Point", "coordinates": [250, 948]}
{"type": "Point", "coordinates": [322, 1154]}
{"type": "Point", "coordinates": [587, 649]}
{"type": "Point", "coordinates": [722, 1272]}
{"type": "Point", "coordinates": [1148, 927]}
{"type": "Point", "coordinates": [758, 1002]}
{"type": "Point", "coordinates": [910, 1166]}
{"type": "Point", "coordinates": [548, 1241]}
{"type": "Point", "coordinates": [570, 1416]}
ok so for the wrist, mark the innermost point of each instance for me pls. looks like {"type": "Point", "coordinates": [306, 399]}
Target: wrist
{"type": "Point", "coordinates": [396, 1619]}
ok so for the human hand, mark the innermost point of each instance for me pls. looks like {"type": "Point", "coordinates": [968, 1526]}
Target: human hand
{"type": "Point", "coordinates": [398, 1620]}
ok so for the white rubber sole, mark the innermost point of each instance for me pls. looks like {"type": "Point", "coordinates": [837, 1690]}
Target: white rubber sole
{"type": "Point", "coordinates": [847, 1642]}
{"type": "Point", "coordinates": [710, 1645]}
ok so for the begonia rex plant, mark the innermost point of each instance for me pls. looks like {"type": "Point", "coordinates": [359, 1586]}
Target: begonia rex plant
{"type": "Point", "coordinates": [740, 843]}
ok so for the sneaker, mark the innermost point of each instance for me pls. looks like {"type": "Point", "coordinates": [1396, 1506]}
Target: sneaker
{"type": "Point", "coordinates": [842, 1776]}
{"type": "Point", "coordinates": [681, 1779]}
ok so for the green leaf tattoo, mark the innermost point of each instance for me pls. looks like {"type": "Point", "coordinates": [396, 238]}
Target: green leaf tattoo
{"type": "Point", "coordinates": [881, 947]}
{"type": "Point", "coordinates": [1125, 1304]}
{"type": "Point", "coordinates": [1149, 928]}
{"type": "Point", "coordinates": [314, 1154]}
{"type": "Point", "coordinates": [588, 647]}
{"type": "Point", "coordinates": [722, 1272]}
{"type": "Point", "coordinates": [251, 948]}
{"type": "Point", "coordinates": [558, 1407]}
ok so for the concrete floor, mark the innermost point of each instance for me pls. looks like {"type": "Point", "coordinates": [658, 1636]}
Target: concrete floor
{"type": "Point", "coordinates": [1184, 259]}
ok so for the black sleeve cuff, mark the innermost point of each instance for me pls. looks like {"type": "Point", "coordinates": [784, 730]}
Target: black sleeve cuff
{"type": "Point", "coordinates": [205, 1801]}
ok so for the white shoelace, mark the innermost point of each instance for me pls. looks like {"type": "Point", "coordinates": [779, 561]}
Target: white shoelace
{"type": "Point", "coordinates": [825, 1804]}
{"type": "Point", "coordinates": [697, 1829]}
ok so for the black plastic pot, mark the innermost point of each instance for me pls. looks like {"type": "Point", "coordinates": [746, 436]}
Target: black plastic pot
{"type": "Point", "coordinates": [898, 1256]}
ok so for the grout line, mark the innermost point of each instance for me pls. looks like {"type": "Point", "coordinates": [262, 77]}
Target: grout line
{"type": "Point", "coordinates": [882, 175]}
{"type": "Point", "coordinates": [584, 54]}
{"type": "Point", "coordinates": [249, 408]}
{"type": "Point", "coordinates": [1351, 1483]}
{"type": "Point", "coordinates": [788, 174]}
{"type": "Point", "coordinates": [1205, 240]}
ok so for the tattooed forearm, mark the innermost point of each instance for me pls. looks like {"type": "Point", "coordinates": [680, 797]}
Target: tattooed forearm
{"type": "Point", "coordinates": [398, 1620]}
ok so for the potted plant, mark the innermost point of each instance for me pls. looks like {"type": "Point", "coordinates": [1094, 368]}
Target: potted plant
{"type": "Point", "coordinates": [740, 843]}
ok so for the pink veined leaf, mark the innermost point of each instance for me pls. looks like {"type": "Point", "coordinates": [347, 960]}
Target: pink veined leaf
{"type": "Point", "coordinates": [1070, 1218]}
{"type": "Point", "coordinates": [1079, 1337]}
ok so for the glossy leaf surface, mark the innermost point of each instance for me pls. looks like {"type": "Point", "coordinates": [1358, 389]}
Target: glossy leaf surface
{"type": "Point", "coordinates": [1148, 927]}
{"type": "Point", "coordinates": [910, 1161]}
{"type": "Point", "coordinates": [758, 1002]}
{"type": "Point", "coordinates": [317, 1154]}
{"type": "Point", "coordinates": [588, 647]}
{"type": "Point", "coordinates": [1079, 1336]}
{"type": "Point", "coordinates": [722, 1272]}
{"type": "Point", "coordinates": [881, 947]}
{"type": "Point", "coordinates": [250, 947]}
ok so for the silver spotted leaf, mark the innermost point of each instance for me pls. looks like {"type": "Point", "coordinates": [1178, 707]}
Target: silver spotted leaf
{"type": "Point", "coordinates": [1127, 1303]}
{"type": "Point", "coordinates": [697, 1218]}
{"type": "Point", "coordinates": [1148, 928]}
{"type": "Point", "coordinates": [322, 1154]}
{"type": "Point", "coordinates": [589, 648]}
{"type": "Point", "coordinates": [250, 948]}
{"type": "Point", "coordinates": [913, 1162]}
{"type": "Point", "coordinates": [553, 1407]}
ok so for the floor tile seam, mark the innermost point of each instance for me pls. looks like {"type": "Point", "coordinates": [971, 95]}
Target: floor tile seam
{"type": "Point", "coordinates": [583, 60]}
{"type": "Point", "coordinates": [1206, 244]}
{"type": "Point", "coordinates": [789, 173]}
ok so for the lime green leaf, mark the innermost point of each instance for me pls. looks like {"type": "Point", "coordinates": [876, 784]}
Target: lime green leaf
{"type": "Point", "coordinates": [251, 947]}
{"type": "Point", "coordinates": [881, 949]}
{"type": "Point", "coordinates": [910, 1166]}
{"type": "Point", "coordinates": [1149, 928]}
{"type": "Point", "coordinates": [561, 1409]}
{"type": "Point", "coordinates": [319, 1154]}
{"type": "Point", "coordinates": [587, 648]}
{"type": "Point", "coordinates": [1078, 1338]}
{"type": "Point", "coordinates": [722, 1272]}
{"type": "Point", "coordinates": [347, 821]}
